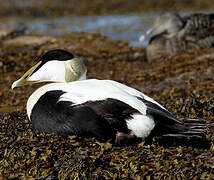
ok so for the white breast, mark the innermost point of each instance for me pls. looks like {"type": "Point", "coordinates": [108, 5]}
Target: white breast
{"type": "Point", "coordinates": [35, 97]}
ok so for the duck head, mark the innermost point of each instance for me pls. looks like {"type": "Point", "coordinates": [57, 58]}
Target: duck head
{"type": "Point", "coordinates": [54, 66]}
{"type": "Point", "coordinates": [167, 24]}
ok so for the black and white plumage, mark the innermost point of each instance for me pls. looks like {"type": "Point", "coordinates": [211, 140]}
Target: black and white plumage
{"type": "Point", "coordinates": [172, 34]}
{"type": "Point", "coordinates": [104, 109]}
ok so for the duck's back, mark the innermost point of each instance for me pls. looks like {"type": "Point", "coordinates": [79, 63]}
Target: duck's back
{"type": "Point", "coordinates": [198, 31]}
{"type": "Point", "coordinates": [199, 25]}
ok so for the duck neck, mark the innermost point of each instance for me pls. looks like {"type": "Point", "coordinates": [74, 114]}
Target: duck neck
{"type": "Point", "coordinates": [83, 77]}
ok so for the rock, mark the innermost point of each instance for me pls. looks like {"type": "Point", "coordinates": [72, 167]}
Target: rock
{"type": "Point", "coordinates": [12, 31]}
{"type": "Point", "coordinates": [29, 40]}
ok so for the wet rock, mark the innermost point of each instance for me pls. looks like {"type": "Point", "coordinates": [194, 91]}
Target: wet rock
{"type": "Point", "coordinates": [12, 31]}
{"type": "Point", "coordinates": [5, 31]}
{"type": "Point", "coordinates": [29, 41]}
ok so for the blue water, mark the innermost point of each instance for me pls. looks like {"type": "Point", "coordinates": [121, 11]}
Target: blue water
{"type": "Point", "coordinates": [126, 27]}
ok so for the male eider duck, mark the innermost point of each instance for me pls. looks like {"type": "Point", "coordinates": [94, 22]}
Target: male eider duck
{"type": "Point", "coordinates": [171, 34]}
{"type": "Point", "coordinates": [105, 109]}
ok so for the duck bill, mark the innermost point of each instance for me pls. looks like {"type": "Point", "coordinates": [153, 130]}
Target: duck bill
{"type": "Point", "coordinates": [24, 79]}
{"type": "Point", "coordinates": [147, 36]}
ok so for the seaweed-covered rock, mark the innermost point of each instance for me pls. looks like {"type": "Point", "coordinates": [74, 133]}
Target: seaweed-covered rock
{"type": "Point", "coordinates": [183, 84]}
{"type": "Point", "coordinates": [29, 41]}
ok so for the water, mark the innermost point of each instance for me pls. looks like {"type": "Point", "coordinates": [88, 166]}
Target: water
{"type": "Point", "coordinates": [126, 27]}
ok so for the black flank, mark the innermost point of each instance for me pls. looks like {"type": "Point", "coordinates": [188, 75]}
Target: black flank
{"type": "Point", "coordinates": [104, 119]}
{"type": "Point", "coordinates": [101, 119]}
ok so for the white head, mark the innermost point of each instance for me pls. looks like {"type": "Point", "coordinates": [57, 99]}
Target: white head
{"type": "Point", "coordinates": [54, 66]}
{"type": "Point", "coordinates": [167, 24]}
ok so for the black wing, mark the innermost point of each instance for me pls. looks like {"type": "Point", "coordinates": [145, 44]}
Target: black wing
{"type": "Point", "coordinates": [159, 113]}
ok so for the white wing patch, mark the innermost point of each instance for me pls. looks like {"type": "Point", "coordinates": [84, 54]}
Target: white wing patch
{"type": "Point", "coordinates": [141, 125]}
{"type": "Point", "coordinates": [134, 92]}
{"type": "Point", "coordinates": [79, 92]}
{"type": "Point", "coordinates": [95, 90]}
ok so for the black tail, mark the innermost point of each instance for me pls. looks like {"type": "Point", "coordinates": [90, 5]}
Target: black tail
{"type": "Point", "coordinates": [191, 133]}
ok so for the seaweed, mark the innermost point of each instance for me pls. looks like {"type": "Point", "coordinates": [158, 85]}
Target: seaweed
{"type": "Point", "coordinates": [183, 84]}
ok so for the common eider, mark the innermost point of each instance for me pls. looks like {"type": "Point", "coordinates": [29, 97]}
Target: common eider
{"type": "Point", "coordinates": [171, 34]}
{"type": "Point", "coordinates": [105, 109]}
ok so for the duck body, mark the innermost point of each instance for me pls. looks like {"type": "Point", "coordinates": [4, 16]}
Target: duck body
{"type": "Point", "coordinates": [172, 34]}
{"type": "Point", "coordinates": [104, 109]}
{"type": "Point", "coordinates": [96, 106]}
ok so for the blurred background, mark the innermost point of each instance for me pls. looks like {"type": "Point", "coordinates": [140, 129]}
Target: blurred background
{"type": "Point", "coordinates": [116, 19]}
{"type": "Point", "coordinates": [183, 84]}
